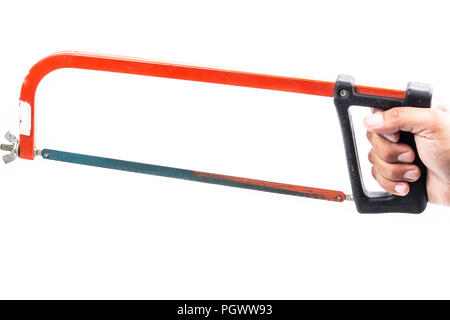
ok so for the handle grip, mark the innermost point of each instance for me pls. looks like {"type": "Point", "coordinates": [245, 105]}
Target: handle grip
{"type": "Point", "coordinates": [345, 95]}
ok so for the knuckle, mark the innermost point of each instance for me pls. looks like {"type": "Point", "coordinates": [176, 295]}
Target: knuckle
{"type": "Point", "coordinates": [395, 114]}
{"type": "Point", "coordinates": [435, 115]}
{"type": "Point", "coordinates": [370, 156]}
{"type": "Point", "coordinates": [381, 181]}
{"type": "Point", "coordinates": [374, 172]}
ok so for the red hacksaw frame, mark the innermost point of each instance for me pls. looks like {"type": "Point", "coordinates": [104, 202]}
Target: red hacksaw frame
{"type": "Point", "coordinates": [135, 66]}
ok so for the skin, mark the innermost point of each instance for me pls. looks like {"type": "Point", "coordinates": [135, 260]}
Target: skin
{"type": "Point", "coordinates": [392, 161]}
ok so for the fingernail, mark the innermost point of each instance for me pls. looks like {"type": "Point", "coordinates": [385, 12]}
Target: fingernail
{"type": "Point", "coordinates": [411, 175]}
{"type": "Point", "coordinates": [374, 120]}
{"type": "Point", "coordinates": [400, 189]}
{"type": "Point", "coordinates": [405, 157]}
{"type": "Point", "coordinates": [390, 137]}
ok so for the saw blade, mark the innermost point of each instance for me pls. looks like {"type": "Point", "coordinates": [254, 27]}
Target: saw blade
{"type": "Point", "coordinates": [199, 176]}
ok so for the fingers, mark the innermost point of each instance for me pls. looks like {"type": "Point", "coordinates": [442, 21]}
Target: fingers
{"type": "Point", "coordinates": [390, 152]}
{"type": "Point", "coordinates": [395, 172]}
{"type": "Point", "coordinates": [393, 137]}
{"type": "Point", "coordinates": [397, 188]}
{"type": "Point", "coordinates": [393, 177]}
{"type": "Point", "coordinates": [415, 120]}
{"type": "Point", "coordinates": [392, 162]}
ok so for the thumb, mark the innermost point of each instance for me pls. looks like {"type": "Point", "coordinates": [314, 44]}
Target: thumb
{"type": "Point", "coordinates": [415, 120]}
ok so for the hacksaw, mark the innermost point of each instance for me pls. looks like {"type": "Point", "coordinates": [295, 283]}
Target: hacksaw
{"type": "Point", "coordinates": [343, 91]}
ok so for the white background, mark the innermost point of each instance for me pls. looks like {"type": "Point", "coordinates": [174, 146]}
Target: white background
{"type": "Point", "coordinates": [70, 231]}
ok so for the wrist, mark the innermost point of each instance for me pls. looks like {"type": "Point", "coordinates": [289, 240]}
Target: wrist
{"type": "Point", "coordinates": [438, 190]}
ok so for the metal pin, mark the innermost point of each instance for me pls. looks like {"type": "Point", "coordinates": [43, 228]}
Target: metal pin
{"type": "Point", "coordinates": [343, 93]}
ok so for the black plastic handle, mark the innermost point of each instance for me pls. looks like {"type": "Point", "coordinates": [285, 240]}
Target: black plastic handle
{"type": "Point", "coordinates": [417, 95]}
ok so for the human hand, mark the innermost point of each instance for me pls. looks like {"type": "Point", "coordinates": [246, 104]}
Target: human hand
{"type": "Point", "coordinates": [392, 161]}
